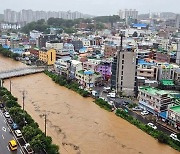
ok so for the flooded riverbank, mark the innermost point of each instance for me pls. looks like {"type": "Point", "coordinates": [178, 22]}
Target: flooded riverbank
{"type": "Point", "coordinates": [78, 125]}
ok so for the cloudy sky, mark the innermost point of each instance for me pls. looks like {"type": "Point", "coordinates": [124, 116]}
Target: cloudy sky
{"type": "Point", "coordinates": [93, 7]}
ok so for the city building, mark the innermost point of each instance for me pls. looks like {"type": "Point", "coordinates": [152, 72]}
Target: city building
{"type": "Point", "coordinates": [88, 78]}
{"type": "Point", "coordinates": [174, 116]}
{"type": "Point", "coordinates": [154, 100]}
{"type": "Point", "coordinates": [104, 68]}
{"type": "Point", "coordinates": [34, 34]}
{"type": "Point", "coordinates": [54, 44]}
{"type": "Point", "coordinates": [124, 72]}
{"type": "Point", "coordinates": [41, 41]}
{"type": "Point", "coordinates": [110, 51]}
{"type": "Point", "coordinates": [178, 54]}
{"type": "Point", "coordinates": [47, 56]}
{"type": "Point", "coordinates": [34, 52]}
{"type": "Point", "coordinates": [126, 14]}
{"type": "Point", "coordinates": [78, 44]}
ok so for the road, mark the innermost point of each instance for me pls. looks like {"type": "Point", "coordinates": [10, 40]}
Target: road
{"type": "Point", "coordinates": [118, 102]}
{"type": "Point", "coordinates": [5, 137]}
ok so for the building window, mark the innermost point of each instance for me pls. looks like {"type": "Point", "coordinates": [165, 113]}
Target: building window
{"type": "Point", "coordinates": [122, 61]}
{"type": "Point", "coordinates": [121, 83]}
{"type": "Point", "coordinates": [121, 72]}
{"type": "Point", "coordinates": [122, 67]}
{"type": "Point", "coordinates": [121, 77]}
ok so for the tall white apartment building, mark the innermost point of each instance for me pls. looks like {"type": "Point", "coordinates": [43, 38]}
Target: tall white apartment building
{"type": "Point", "coordinates": [128, 13]}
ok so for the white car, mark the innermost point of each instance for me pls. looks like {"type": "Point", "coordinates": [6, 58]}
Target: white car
{"type": "Point", "coordinates": [28, 148]}
{"type": "Point", "coordinates": [112, 95]}
{"type": "Point", "coordinates": [18, 133]}
{"type": "Point", "coordinates": [174, 137]}
{"type": "Point", "coordinates": [6, 114]}
{"type": "Point", "coordinates": [144, 113]}
{"type": "Point", "coordinates": [152, 125]}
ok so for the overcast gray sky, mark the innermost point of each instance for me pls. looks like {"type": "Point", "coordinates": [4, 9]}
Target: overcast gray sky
{"type": "Point", "coordinates": [93, 7]}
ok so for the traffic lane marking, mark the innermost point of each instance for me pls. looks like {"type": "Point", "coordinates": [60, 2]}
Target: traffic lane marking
{"type": "Point", "coordinates": [2, 136]}
{"type": "Point", "coordinates": [8, 148]}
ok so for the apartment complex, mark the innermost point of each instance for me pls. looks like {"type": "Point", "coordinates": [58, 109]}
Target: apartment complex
{"type": "Point", "coordinates": [26, 16]}
{"type": "Point", "coordinates": [125, 14]}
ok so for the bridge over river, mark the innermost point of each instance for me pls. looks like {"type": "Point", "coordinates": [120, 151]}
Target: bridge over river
{"type": "Point", "coordinates": [21, 72]}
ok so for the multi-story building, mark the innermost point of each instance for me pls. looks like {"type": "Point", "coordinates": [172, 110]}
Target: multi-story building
{"type": "Point", "coordinates": [34, 34]}
{"type": "Point", "coordinates": [55, 44]}
{"type": "Point", "coordinates": [47, 56]}
{"type": "Point", "coordinates": [78, 44]}
{"type": "Point", "coordinates": [34, 52]}
{"type": "Point", "coordinates": [88, 78]}
{"type": "Point", "coordinates": [86, 43]}
{"type": "Point", "coordinates": [125, 14]}
{"type": "Point", "coordinates": [125, 79]}
{"type": "Point", "coordinates": [104, 68]}
{"type": "Point", "coordinates": [178, 54]}
{"type": "Point", "coordinates": [154, 100]}
{"type": "Point", "coordinates": [174, 116]}
{"type": "Point", "coordinates": [148, 71]}
{"type": "Point", "coordinates": [41, 41]}
{"type": "Point", "coordinates": [110, 51]}
{"type": "Point", "coordinates": [69, 48]}
{"type": "Point", "coordinates": [141, 54]}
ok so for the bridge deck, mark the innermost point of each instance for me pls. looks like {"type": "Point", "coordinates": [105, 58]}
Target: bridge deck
{"type": "Point", "coordinates": [20, 72]}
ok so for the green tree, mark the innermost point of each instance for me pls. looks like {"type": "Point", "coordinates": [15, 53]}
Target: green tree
{"type": "Point", "coordinates": [135, 34]}
{"type": "Point", "coordinates": [30, 132]}
{"type": "Point", "coordinates": [12, 103]}
{"type": "Point", "coordinates": [163, 138]}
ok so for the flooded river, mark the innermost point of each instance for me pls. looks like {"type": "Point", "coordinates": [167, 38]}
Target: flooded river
{"type": "Point", "coordinates": [75, 123]}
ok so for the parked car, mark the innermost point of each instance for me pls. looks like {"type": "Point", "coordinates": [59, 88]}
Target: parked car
{"type": "Point", "coordinates": [174, 137]}
{"type": "Point", "coordinates": [1, 105]}
{"type": "Point", "coordinates": [14, 126]}
{"type": "Point", "coordinates": [6, 114]}
{"type": "Point", "coordinates": [13, 145]}
{"type": "Point", "coordinates": [152, 125]}
{"type": "Point", "coordinates": [28, 148]}
{"type": "Point", "coordinates": [125, 103]}
{"type": "Point", "coordinates": [112, 95]}
{"type": "Point", "coordinates": [18, 133]}
{"type": "Point", "coordinates": [9, 121]}
{"type": "Point", "coordinates": [111, 103]}
{"type": "Point", "coordinates": [106, 89]}
{"type": "Point", "coordinates": [95, 93]}
{"type": "Point", "coordinates": [137, 108]}
{"type": "Point", "coordinates": [144, 113]}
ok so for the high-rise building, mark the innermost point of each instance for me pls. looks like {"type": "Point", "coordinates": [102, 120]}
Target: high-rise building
{"type": "Point", "coordinates": [125, 14]}
{"type": "Point", "coordinates": [27, 16]}
{"type": "Point", "coordinates": [178, 54]}
{"type": "Point", "coordinates": [124, 72]}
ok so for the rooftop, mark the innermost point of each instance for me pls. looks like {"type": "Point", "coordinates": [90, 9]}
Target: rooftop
{"type": "Point", "coordinates": [154, 91]}
{"type": "Point", "coordinates": [167, 82]}
{"type": "Point", "coordinates": [176, 108]}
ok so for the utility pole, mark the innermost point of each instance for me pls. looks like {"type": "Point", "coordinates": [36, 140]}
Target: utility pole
{"type": "Point", "coordinates": [45, 116]}
{"type": "Point", "coordinates": [23, 93]}
{"type": "Point", "coordinates": [118, 61]}
{"type": "Point", "coordinates": [10, 85]}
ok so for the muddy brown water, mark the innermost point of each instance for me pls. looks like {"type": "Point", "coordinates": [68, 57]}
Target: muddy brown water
{"type": "Point", "coordinates": [75, 123]}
